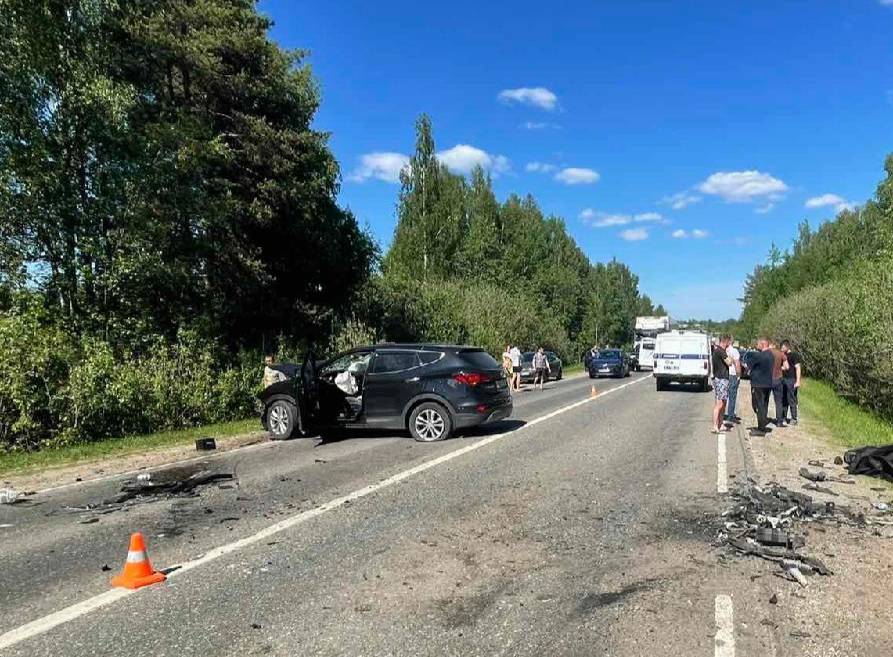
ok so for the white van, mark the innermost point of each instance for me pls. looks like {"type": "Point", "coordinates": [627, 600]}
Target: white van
{"type": "Point", "coordinates": [645, 353]}
{"type": "Point", "coordinates": [682, 356]}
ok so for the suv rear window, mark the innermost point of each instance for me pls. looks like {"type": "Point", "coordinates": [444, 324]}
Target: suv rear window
{"type": "Point", "coordinates": [394, 361]}
{"type": "Point", "coordinates": [479, 358]}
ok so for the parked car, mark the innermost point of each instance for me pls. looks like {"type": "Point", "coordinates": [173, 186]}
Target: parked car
{"type": "Point", "coordinates": [429, 390]}
{"type": "Point", "coordinates": [609, 362]}
{"type": "Point", "coordinates": [528, 374]}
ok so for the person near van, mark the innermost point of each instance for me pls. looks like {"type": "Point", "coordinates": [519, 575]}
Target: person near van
{"type": "Point", "coordinates": [541, 368]}
{"type": "Point", "coordinates": [271, 375]}
{"type": "Point", "coordinates": [515, 356]}
{"type": "Point", "coordinates": [720, 382]}
{"type": "Point", "coordinates": [761, 364]}
{"type": "Point", "coordinates": [777, 386]}
{"type": "Point", "coordinates": [734, 379]}
{"type": "Point", "coordinates": [791, 380]}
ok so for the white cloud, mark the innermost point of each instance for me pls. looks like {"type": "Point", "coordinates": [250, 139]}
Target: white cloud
{"type": "Point", "coordinates": [634, 234]}
{"type": "Point", "coordinates": [679, 234]}
{"type": "Point", "coordinates": [743, 186]}
{"type": "Point", "coordinates": [577, 176]}
{"type": "Point", "coordinates": [606, 220]}
{"type": "Point", "coordinates": [699, 234]}
{"type": "Point", "coordinates": [540, 167]}
{"type": "Point", "coordinates": [381, 166]}
{"type": "Point", "coordinates": [680, 200]}
{"type": "Point", "coordinates": [696, 233]}
{"type": "Point", "coordinates": [535, 96]}
{"type": "Point", "coordinates": [837, 202]}
{"type": "Point", "coordinates": [765, 209]}
{"type": "Point", "coordinates": [462, 158]}
{"type": "Point", "coordinates": [887, 3]}
{"type": "Point", "coordinates": [540, 125]}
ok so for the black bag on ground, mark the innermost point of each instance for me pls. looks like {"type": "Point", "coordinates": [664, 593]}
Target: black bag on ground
{"type": "Point", "coordinates": [871, 461]}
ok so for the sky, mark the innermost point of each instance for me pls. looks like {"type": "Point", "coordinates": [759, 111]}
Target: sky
{"type": "Point", "coordinates": [682, 138]}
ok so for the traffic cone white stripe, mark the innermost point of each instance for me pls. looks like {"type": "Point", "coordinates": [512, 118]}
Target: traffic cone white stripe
{"type": "Point", "coordinates": [136, 557]}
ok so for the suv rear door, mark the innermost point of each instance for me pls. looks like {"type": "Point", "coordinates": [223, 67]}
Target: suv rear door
{"type": "Point", "coordinates": [393, 379]}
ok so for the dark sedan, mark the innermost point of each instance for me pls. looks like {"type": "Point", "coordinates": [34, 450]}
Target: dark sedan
{"type": "Point", "coordinates": [429, 390]}
{"type": "Point", "coordinates": [609, 362]}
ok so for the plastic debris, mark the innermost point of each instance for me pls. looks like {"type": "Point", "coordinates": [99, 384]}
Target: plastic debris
{"type": "Point", "coordinates": [813, 475]}
{"type": "Point", "coordinates": [820, 489]}
{"type": "Point", "coordinates": [205, 444]}
{"type": "Point", "coordinates": [8, 496]}
{"type": "Point", "coordinates": [144, 476]}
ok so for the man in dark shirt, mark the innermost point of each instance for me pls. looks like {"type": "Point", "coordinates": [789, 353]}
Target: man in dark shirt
{"type": "Point", "coordinates": [761, 365]}
{"type": "Point", "coordinates": [791, 375]}
{"type": "Point", "coordinates": [777, 386]}
{"type": "Point", "coordinates": [720, 382]}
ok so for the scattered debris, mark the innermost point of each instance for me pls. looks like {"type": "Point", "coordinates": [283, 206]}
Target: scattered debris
{"type": "Point", "coordinates": [762, 522]}
{"type": "Point", "coordinates": [881, 506]}
{"type": "Point", "coordinates": [105, 568]}
{"type": "Point", "coordinates": [144, 476]}
{"type": "Point", "coordinates": [6, 525]}
{"type": "Point", "coordinates": [871, 461]}
{"type": "Point", "coordinates": [817, 463]}
{"type": "Point", "coordinates": [319, 460]}
{"type": "Point", "coordinates": [256, 626]}
{"type": "Point", "coordinates": [8, 496]}
{"type": "Point", "coordinates": [89, 521]}
{"type": "Point", "coordinates": [838, 460]}
{"type": "Point", "coordinates": [813, 475]}
{"type": "Point", "coordinates": [820, 489]}
{"type": "Point", "coordinates": [774, 599]}
{"type": "Point", "coordinates": [205, 444]}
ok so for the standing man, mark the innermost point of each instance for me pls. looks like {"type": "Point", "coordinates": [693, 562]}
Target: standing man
{"type": "Point", "coordinates": [761, 365]}
{"type": "Point", "coordinates": [777, 386]}
{"type": "Point", "coordinates": [541, 368]}
{"type": "Point", "coordinates": [734, 378]}
{"type": "Point", "coordinates": [720, 382]}
{"type": "Point", "coordinates": [515, 355]}
{"type": "Point", "coordinates": [791, 380]}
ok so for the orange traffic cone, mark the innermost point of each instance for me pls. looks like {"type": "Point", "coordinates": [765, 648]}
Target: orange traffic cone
{"type": "Point", "coordinates": [137, 569]}
{"type": "Point", "coordinates": [593, 393]}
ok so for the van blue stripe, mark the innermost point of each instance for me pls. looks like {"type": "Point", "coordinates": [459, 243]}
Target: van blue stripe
{"type": "Point", "coordinates": [682, 356]}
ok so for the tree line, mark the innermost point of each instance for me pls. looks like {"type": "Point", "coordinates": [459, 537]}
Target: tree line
{"type": "Point", "coordinates": [831, 294]}
{"type": "Point", "coordinates": [167, 210]}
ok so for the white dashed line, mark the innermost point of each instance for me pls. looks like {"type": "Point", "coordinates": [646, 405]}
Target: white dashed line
{"type": "Point", "coordinates": [724, 640]}
{"type": "Point", "coordinates": [722, 477]}
{"type": "Point", "coordinates": [41, 625]}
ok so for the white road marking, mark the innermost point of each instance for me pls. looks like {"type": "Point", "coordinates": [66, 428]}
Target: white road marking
{"type": "Point", "coordinates": [724, 640]}
{"type": "Point", "coordinates": [41, 625]}
{"type": "Point", "coordinates": [722, 477]}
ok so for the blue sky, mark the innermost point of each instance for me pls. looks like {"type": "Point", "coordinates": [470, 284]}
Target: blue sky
{"type": "Point", "coordinates": [682, 138]}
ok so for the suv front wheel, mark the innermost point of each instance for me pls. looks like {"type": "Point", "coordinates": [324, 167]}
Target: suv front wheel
{"type": "Point", "coordinates": [430, 422]}
{"type": "Point", "coordinates": [282, 419]}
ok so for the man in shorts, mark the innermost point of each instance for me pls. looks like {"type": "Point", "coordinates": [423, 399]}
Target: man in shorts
{"type": "Point", "coordinates": [720, 382]}
{"type": "Point", "coordinates": [515, 355]}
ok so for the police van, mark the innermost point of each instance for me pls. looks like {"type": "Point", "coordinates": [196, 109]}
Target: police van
{"type": "Point", "coordinates": [683, 357]}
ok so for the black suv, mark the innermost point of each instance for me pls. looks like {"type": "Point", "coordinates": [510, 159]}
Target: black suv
{"type": "Point", "coordinates": [431, 390]}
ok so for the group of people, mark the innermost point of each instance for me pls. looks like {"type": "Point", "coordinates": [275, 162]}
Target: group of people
{"type": "Point", "coordinates": [773, 370]}
{"type": "Point", "coordinates": [511, 363]}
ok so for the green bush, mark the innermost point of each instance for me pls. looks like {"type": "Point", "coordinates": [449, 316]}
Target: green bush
{"type": "Point", "coordinates": [843, 330]}
{"type": "Point", "coordinates": [55, 391]}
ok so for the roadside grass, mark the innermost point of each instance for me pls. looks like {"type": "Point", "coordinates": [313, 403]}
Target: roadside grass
{"type": "Point", "coordinates": [24, 462]}
{"type": "Point", "coordinates": [849, 425]}
{"type": "Point", "coordinates": [573, 369]}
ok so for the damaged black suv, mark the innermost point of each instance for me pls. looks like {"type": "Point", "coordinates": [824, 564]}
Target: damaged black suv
{"type": "Point", "coordinates": [429, 390]}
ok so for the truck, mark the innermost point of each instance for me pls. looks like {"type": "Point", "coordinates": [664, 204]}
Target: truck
{"type": "Point", "coordinates": [647, 329]}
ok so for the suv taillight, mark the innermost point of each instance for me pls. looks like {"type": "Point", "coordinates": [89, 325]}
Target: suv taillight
{"type": "Point", "coordinates": [471, 378]}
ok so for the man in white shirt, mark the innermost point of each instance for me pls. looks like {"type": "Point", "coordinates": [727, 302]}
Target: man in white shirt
{"type": "Point", "coordinates": [734, 379]}
{"type": "Point", "coordinates": [515, 355]}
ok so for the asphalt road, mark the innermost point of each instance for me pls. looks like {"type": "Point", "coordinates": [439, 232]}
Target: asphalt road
{"type": "Point", "coordinates": [575, 527]}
